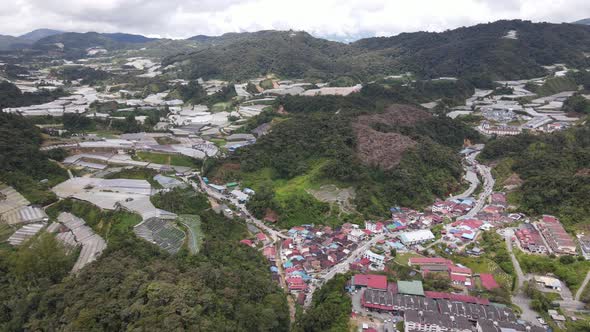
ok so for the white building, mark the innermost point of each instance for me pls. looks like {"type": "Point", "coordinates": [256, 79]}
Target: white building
{"type": "Point", "coordinates": [416, 237]}
{"type": "Point", "coordinates": [356, 235]}
{"type": "Point", "coordinates": [376, 259]}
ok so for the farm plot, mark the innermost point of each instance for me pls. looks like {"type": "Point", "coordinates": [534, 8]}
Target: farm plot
{"type": "Point", "coordinates": [161, 232]}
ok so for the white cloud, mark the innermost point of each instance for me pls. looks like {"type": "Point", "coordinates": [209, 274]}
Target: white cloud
{"type": "Point", "coordinates": [336, 18]}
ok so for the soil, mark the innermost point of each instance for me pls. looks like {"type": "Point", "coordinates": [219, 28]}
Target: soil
{"type": "Point", "coordinates": [385, 150]}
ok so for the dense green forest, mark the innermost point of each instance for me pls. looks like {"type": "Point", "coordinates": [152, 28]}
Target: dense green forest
{"type": "Point", "coordinates": [330, 308]}
{"type": "Point", "coordinates": [555, 170]}
{"type": "Point", "coordinates": [23, 165]}
{"type": "Point", "coordinates": [136, 286]}
{"type": "Point", "coordinates": [478, 53]}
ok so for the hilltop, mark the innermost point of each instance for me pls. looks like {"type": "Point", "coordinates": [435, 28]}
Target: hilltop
{"type": "Point", "coordinates": [584, 21]}
{"type": "Point", "coordinates": [500, 50]}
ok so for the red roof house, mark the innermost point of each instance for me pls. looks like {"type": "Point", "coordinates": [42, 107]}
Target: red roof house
{"type": "Point", "coordinates": [488, 281]}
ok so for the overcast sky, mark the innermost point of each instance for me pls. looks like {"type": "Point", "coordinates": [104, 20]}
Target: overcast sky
{"type": "Point", "coordinates": [336, 19]}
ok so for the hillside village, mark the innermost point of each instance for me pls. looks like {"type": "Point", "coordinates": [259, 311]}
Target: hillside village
{"type": "Point", "coordinates": [465, 262]}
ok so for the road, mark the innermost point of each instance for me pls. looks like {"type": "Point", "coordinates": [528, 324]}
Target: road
{"type": "Point", "coordinates": [488, 187]}
{"type": "Point", "coordinates": [518, 296]}
{"type": "Point", "coordinates": [583, 286]}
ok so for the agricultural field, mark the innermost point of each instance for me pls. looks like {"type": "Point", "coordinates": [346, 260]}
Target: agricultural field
{"type": "Point", "coordinates": [166, 159]}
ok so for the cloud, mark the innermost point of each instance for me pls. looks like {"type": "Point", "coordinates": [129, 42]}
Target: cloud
{"type": "Point", "coordinates": [334, 18]}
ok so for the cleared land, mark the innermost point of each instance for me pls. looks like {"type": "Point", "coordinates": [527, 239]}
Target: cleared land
{"type": "Point", "coordinates": [165, 159]}
{"type": "Point", "coordinates": [193, 224]}
{"type": "Point", "coordinates": [385, 149]}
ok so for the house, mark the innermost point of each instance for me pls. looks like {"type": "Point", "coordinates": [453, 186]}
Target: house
{"type": "Point", "coordinates": [499, 199]}
{"type": "Point", "coordinates": [217, 188]}
{"type": "Point", "coordinates": [556, 236]}
{"type": "Point", "coordinates": [261, 237]}
{"type": "Point", "coordinates": [376, 259]}
{"type": "Point", "coordinates": [374, 227]}
{"type": "Point", "coordinates": [271, 216]}
{"type": "Point", "coordinates": [420, 261]}
{"type": "Point", "coordinates": [247, 242]}
{"type": "Point", "coordinates": [372, 281]}
{"type": "Point", "coordinates": [548, 282]}
{"type": "Point", "coordinates": [416, 237]}
{"type": "Point", "coordinates": [488, 282]}
{"type": "Point", "coordinates": [356, 235]}
{"type": "Point", "coordinates": [240, 196]}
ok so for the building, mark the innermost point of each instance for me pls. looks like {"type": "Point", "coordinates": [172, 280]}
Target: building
{"type": "Point", "coordinates": [428, 261]}
{"type": "Point", "coordinates": [556, 236]}
{"type": "Point", "coordinates": [484, 325]}
{"type": "Point", "coordinates": [371, 281]}
{"type": "Point", "coordinates": [356, 235]}
{"type": "Point", "coordinates": [240, 196]}
{"type": "Point", "coordinates": [413, 287]}
{"type": "Point", "coordinates": [429, 321]}
{"type": "Point", "coordinates": [488, 282]}
{"type": "Point", "coordinates": [374, 227]}
{"type": "Point", "coordinates": [416, 237]}
{"type": "Point", "coordinates": [376, 259]}
{"type": "Point", "coordinates": [548, 282]}
{"type": "Point", "coordinates": [530, 239]}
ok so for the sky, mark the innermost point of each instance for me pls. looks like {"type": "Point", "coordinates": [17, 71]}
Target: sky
{"type": "Point", "coordinates": [334, 19]}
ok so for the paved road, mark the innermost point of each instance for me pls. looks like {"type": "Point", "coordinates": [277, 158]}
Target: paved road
{"type": "Point", "coordinates": [470, 176]}
{"type": "Point", "coordinates": [583, 286]}
{"type": "Point", "coordinates": [518, 296]}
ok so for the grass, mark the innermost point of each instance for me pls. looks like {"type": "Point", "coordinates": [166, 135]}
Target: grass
{"type": "Point", "coordinates": [166, 159]}
{"type": "Point", "coordinates": [403, 259]}
{"type": "Point", "coordinates": [137, 174]}
{"type": "Point", "coordinates": [218, 142]}
{"type": "Point", "coordinates": [165, 140]}
{"type": "Point", "coordinates": [572, 274]}
{"type": "Point", "coordinates": [486, 265]}
{"type": "Point", "coordinates": [193, 222]}
{"type": "Point", "coordinates": [221, 107]}
{"type": "Point", "coordinates": [5, 232]}
{"type": "Point", "coordinates": [106, 133]}
{"type": "Point", "coordinates": [501, 172]}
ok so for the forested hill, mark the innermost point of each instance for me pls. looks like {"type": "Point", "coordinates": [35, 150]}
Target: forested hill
{"type": "Point", "coordinates": [499, 50]}
{"type": "Point", "coordinates": [285, 53]}
{"type": "Point", "coordinates": [503, 49]}
{"type": "Point", "coordinates": [551, 172]}
{"type": "Point", "coordinates": [388, 154]}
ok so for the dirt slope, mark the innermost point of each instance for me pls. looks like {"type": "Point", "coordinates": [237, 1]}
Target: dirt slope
{"type": "Point", "coordinates": [385, 150]}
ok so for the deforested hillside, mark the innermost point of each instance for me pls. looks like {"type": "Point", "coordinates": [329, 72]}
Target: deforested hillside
{"type": "Point", "coordinates": [380, 156]}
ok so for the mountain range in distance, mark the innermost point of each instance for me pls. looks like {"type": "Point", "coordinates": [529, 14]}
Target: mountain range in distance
{"type": "Point", "coordinates": [15, 42]}
{"type": "Point", "coordinates": [501, 50]}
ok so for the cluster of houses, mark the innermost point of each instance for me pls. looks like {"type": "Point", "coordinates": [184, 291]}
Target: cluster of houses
{"type": "Point", "coordinates": [546, 236]}
{"type": "Point", "coordinates": [459, 275]}
{"type": "Point", "coordinates": [433, 311]}
{"type": "Point", "coordinates": [317, 248]}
